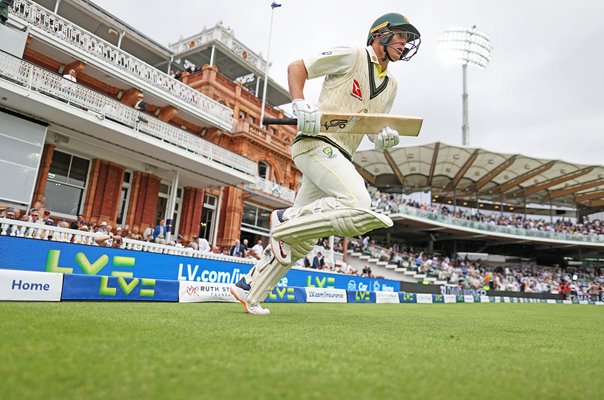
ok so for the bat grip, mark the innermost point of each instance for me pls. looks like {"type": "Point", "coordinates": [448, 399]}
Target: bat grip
{"type": "Point", "coordinates": [280, 121]}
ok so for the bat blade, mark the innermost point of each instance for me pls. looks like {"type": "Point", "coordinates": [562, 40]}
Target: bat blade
{"type": "Point", "coordinates": [359, 123]}
{"type": "Point", "coordinates": [370, 123]}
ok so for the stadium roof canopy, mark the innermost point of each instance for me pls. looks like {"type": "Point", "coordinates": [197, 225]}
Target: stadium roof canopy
{"type": "Point", "coordinates": [471, 175]}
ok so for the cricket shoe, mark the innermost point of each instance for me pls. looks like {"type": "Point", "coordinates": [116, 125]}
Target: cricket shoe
{"type": "Point", "coordinates": [281, 250]}
{"type": "Point", "coordinates": [240, 290]}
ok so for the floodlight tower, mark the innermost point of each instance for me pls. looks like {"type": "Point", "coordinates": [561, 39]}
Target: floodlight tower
{"type": "Point", "coordinates": [465, 46]}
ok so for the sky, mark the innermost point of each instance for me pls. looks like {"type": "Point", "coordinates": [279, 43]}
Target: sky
{"type": "Point", "coordinates": [541, 96]}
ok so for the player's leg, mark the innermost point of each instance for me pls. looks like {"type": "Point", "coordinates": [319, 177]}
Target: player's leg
{"type": "Point", "coordinates": [242, 288]}
{"type": "Point", "coordinates": [264, 281]}
{"type": "Point", "coordinates": [327, 173]}
{"type": "Point", "coordinates": [307, 193]}
{"type": "Point", "coordinates": [253, 288]}
{"type": "Point", "coordinates": [343, 209]}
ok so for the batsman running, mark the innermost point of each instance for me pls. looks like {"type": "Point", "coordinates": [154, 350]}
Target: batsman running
{"type": "Point", "coordinates": [332, 199]}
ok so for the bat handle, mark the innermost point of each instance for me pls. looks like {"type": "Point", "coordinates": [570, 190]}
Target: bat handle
{"type": "Point", "coordinates": [280, 121]}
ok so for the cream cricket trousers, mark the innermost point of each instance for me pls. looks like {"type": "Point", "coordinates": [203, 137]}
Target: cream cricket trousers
{"type": "Point", "coordinates": [327, 173]}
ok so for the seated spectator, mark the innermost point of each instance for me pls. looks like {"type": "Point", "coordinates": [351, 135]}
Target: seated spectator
{"type": "Point", "coordinates": [103, 236]}
{"type": "Point", "coordinates": [117, 242]}
{"type": "Point", "coordinates": [204, 245]}
{"type": "Point", "coordinates": [135, 235]}
{"type": "Point", "coordinates": [193, 244]}
{"type": "Point", "coordinates": [34, 216]}
{"type": "Point", "coordinates": [71, 75]}
{"type": "Point", "coordinates": [140, 104]}
{"type": "Point", "coordinates": [257, 250]}
{"type": "Point", "coordinates": [350, 270]}
{"type": "Point", "coordinates": [238, 249]}
{"type": "Point", "coordinates": [47, 219]}
{"type": "Point", "coordinates": [160, 232]}
{"type": "Point", "coordinates": [102, 228]}
{"type": "Point", "coordinates": [318, 261]}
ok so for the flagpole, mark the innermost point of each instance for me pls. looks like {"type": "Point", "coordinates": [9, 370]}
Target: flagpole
{"type": "Point", "coordinates": [268, 63]}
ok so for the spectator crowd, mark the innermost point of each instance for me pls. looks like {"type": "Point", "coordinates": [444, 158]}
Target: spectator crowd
{"type": "Point", "coordinates": [462, 272]}
{"type": "Point", "coordinates": [391, 203]}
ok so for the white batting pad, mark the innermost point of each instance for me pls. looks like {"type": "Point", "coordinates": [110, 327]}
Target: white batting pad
{"type": "Point", "coordinates": [340, 222]}
{"type": "Point", "coordinates": [264, 278]}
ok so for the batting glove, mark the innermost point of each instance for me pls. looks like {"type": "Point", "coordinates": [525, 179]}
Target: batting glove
{"type": "Point", "coordinates": [309, 117]}
{"type": "Point", "coordinates": [386, 138]}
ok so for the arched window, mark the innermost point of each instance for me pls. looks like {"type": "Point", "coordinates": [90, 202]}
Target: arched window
{"type": "Point", "coordinates": [264, 170]}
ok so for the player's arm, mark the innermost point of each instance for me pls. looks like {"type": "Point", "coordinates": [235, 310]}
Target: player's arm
{"type": "Point", "coordinates": [386, 137]}
{"type": "Point", "coordinates": [309, 116]}
{"type": "Point", "coordinates": [329, 63]}
{"type": "Point", "coordinates": [296, 79]}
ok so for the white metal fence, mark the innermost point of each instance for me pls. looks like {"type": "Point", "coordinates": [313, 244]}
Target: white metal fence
{"type": "Point", "coordinates": [71, 34]}
{"type": "Point", "coordinates": [33, 77]}
{"type": "Point", "coordinates": [224, 35]}
{"type": "Point", "coordinates": [38, 231]}
{"type": "Point", "coordinates": [273, 189]}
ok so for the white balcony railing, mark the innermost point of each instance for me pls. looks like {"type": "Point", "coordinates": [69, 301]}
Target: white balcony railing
{"type": "Point", "coordinates": [225, 36]}
{"type": "Point", "coordinates": [37, 16]}
{"type": "Point", "coordinates": [30, 230]}
{"type": "Point", "coordinates": [48, 83]}
{"type": "Point", "coordinates": [272, 188]}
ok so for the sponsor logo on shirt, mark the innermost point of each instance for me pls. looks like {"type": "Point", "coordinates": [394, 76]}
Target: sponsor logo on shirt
{"type": "Point", "coordinates": [356, 90]}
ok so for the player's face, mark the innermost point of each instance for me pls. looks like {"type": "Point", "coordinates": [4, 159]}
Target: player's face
{"type": "Point", "coordinates": [397, 43]}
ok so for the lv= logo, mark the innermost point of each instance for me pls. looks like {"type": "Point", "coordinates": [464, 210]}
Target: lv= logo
{"type": "Point", "coordinates": [93, 268]}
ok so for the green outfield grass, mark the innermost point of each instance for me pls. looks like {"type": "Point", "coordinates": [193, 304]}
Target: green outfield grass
{"type": "Point", "coordinates": [89, 350]}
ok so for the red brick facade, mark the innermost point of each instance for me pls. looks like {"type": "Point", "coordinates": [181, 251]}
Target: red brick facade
{"type": "Point", "coordinates": [271, 145]}
{"type": "Point", "coordinates": [190, 217]}
{"type": "Point", "coordinates": [104, 188]}
{"type": "Point", "coordinates": [143, 200]}
{"type": "Point", "coordinates": [230, 216]}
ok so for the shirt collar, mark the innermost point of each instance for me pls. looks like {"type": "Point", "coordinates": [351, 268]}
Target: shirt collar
{"type": "Point", "coordinates": [374, 59]}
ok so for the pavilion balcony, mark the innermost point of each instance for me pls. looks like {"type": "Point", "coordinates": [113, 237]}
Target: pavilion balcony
{"type": "Point", "coordinates": [58, 32]}
{"type": "Point", "coordinates": [270, 193]}
{"type": "Point", "coordinates": [42, 94]}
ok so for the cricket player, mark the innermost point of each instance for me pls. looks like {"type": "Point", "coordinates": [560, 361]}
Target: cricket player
{"type": "Point", "coordinates": [332, 199]}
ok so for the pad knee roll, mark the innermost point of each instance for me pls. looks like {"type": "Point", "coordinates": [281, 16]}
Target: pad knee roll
{"type": "Point", "coordinates": [301, 250]}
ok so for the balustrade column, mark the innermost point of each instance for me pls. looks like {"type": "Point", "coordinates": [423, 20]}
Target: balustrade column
{"type": "Point", "coordinates": [40, 188]}
{"type": "Point", "coordinates": [169, 214]}
{"type": "Point", "coordinates": [190, 216]}
{"type": "Point", "coordinates": [231, 213]}
{"type": "Point", "coordinates": [105, 187]}
{"type": "Point", "coordinates": [143, 200]}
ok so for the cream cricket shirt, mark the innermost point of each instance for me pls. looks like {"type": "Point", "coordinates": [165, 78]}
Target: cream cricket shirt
{"type": "Point", "coordinates": [353, 83]}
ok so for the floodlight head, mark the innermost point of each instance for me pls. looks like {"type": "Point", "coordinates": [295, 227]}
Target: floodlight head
{"type": "Point", "coordinates": [465, 46]}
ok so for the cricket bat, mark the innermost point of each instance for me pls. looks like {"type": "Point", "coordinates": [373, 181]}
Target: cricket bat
{"type": "Point", "coordinates": [359, 123]}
